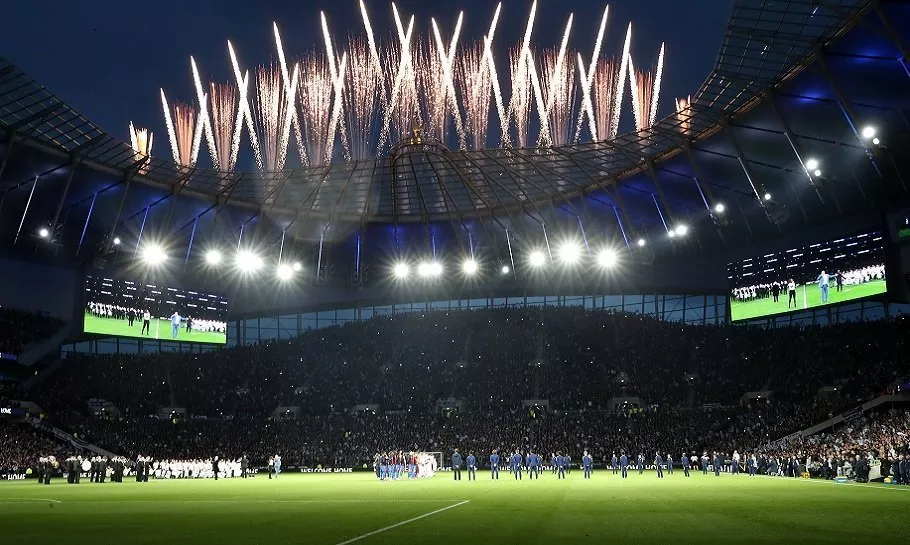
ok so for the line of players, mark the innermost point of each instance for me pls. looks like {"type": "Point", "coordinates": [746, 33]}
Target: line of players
{"type": "Point", "coordinates": [560, 464]}
{"type": "Point", "coordinates": [395, 465]}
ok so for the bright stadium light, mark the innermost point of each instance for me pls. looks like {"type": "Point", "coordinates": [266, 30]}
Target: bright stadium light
{"type": "Point", "coordinates": [641, 243]}
{"type": "Point", "coordinates": [671, 233]}
{"type": "Point", "coordinates": [767, 196]}
{"type": "Point", "coordinates": [435, 269]}
{"type": "Point", "coordinates": [469, 267]}
{"type": "Point", "coordinates": [607, 258]}
{"type": "Point", "coordinates": [569, 253]}
{"type": "Point", "coordinates": [116, 241]}
{"type": "Point", "coordinates": [720, 208]}
{"type": "Point", "coordinates": [213, 257]}
{"type": "Point", "coordinates": [682, 230]}
{"type": "Point", "coordinates": [401, 270]}
{"type": "Point", "coordinates": [505, 269]}
{"type": "Point", "coordinates": [248, 262]}
{"type": "Point", "coordinates": [43, 232]}
{"type": "Point", "coordinates": [876, 141]}
{"type": "Point", "coordinates": [868, 132]}
{"type": "Point", "coordinates": [284, 272]}
{"type": "Point", "coordinates": [423, 269]}
{"type": "Point", "coordinates": [817, 173]}
{"type": "Point", "coordinates": [537, 259]}
{"type": "Point", "coordinates": [153, 254]}
{"type": "Point", "coordinates": [812, 164]}
{"type": "Point", "coordinates": [297, 266]}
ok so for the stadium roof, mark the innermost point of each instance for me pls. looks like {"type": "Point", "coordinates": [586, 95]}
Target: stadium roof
{"type": "Point", "coordinates": [793, 81]}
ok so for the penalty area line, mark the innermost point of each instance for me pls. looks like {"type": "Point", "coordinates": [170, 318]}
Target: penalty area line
{"type": "Point", "coordinates": [402, 523]}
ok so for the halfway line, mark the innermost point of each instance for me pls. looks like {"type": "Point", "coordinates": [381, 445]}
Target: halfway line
{"type": "Point", "coordinates": [402, 523]}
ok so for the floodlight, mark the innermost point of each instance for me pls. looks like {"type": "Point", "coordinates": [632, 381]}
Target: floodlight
{"type": "Point", "coordinates": [213, 257]}
{"type": "Point", "coordinates": [284, 272]}
{"type": "Point", "coordinates": [401, 270]}
{"type": "Point", "coordinates": [43, 232]}
{"type": "Point", "coordinates": [505, 269]}
{"type": "Point", "coordinates": [435, 269]}
{"type": "Point", "coordinates": [537, 258]}
{"type": "Point", "coordinates": [671, 233]}
{"type": "Point", "coordinates": [153, 254]}
{"type": "Point", "coordinates": [248, 262]}
{"type": "Point", "coordinates": [682, 230]}
{"type": "Point", "coordinates": [868, 131]}
{"type": "Point", "coordinates": [116, 241]}
{"type": "Point", "coordinates": [817, 173]}
{"type": "Point", "coordinates": [569, 253]}
{"type": "Point", "coordinates": [719, 208]}
{"type": "Point", "coordinates": [469, 266]}
{"type": "Point", "coordinates": [876, 141]}
{"type": "Point", "coordinates": [297, 266]}
{"type": "Point", "coordinates": [767, 196]}
{"type": "Point", "coordinates": [641, 243]}
{"type": "Point", "coordinates": [812, 164]}
{"type": "Point", "coordinates": [607, 258]}
{"type": "Point", "coordinates": [423, 269]}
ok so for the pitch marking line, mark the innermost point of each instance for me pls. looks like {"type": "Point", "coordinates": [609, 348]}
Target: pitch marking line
{"type": "Point", "coordinates": [76, 502]}
{"type": "Point", "coordinates": [28, 500]}
{"type": "Point", "coordinates": [402, 523]}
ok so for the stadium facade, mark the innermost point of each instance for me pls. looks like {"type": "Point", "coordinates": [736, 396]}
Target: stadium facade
{"type": "Point", "coordinates": [793, 82]}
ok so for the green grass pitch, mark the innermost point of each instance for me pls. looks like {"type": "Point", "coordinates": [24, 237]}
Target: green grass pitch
{"type": "Point", "coordinates": [158, 329]}
{"type": "Point", "coordinates": [806, 297]}
{"type": "Point", "coordinates": [327, 509]}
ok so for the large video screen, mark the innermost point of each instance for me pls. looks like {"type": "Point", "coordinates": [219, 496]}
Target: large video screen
{"type": "Point", "coordinates": [132, 309]}
{"type": "Point", "coordinates": [825, 273]}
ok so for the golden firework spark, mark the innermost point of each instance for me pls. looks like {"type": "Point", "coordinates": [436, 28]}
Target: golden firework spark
{"type": "Point", "coordinates": [141, 141]}
{"type": "Point", "coordinates": [184, 132]}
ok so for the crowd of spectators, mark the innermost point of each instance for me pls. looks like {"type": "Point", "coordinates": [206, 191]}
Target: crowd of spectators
{"type": "Point", "coordinates": [21, 446]}
{"type": "Point", "coordinates": [21, 328]}
{"type": "Point", "coordinates": [690, 381]}
{"type": "Point", "coordinates": [575, 358]}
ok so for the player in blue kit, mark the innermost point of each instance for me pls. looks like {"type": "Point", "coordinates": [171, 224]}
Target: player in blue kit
{"type": "Point", "coordinates": [515, 465]}
{"type": "Point", "coordinates": [614, 463]}
{"type": "Point", "coordinates": [659, 465]}
{"type": "Point", "coordinates": [533, 463]}
{"type": "Point", "coordinates": [685, 464]}
{"type": "Point", "coordinates": [588, 464]}
{"type": "Point", "coordinates": [624, 465]}
{"type": "Point", "coordinates": [560, 466]}
{"type": "Point", "coordinates": [494, 465]}
{"type": "Point", "coordinates": [472, 466]}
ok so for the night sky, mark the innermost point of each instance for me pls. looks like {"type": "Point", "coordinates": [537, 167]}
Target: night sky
{"type": "Point", "coordinates": [108, 58]}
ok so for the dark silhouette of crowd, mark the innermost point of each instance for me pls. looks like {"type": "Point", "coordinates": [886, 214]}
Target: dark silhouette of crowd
{"type": "Point", "coordinates": [20, 328]}
{"type": "Point", "coordinates": [689, 381]}
{"type": "Point", "coordinates": [21, 446]}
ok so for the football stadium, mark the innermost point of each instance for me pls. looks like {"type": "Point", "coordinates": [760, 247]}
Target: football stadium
{"type": "Point", "coordinates": [542, 272]}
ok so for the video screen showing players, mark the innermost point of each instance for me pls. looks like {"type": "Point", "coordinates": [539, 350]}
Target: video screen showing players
{"type": "Point", "coordinates": [132, 309]}
{"type": "Point", "coordinates": [824, 273]}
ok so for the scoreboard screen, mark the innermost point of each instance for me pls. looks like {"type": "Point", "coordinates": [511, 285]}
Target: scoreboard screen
{"type": "Point", "coordinates": [123, 308]}
{"type": "Point", "coordinates": [823, 273]}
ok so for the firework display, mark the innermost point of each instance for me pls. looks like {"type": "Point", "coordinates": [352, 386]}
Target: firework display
{"type": "Point", "coordinates": [354, 98]}
{"type": "Point", "coordinates": [141, 141]}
